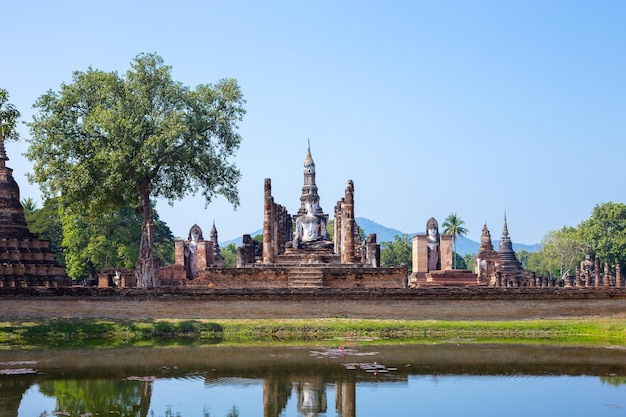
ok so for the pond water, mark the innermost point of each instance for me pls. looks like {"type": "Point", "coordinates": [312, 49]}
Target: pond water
{"type": "Point", "coordinates": [346, 380]}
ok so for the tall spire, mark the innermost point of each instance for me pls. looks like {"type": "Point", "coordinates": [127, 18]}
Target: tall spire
{"type": "Point", "coordinates": [309, 165]}
{"type": "Point", "coordinates": [505, 230]}
{"type": "Point", "coordinates": [309, 189]}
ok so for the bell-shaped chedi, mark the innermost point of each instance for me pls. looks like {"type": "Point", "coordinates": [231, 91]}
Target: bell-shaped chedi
{"type": "Point", "coordinates": [508, 261]}
{"type": "Point", "coordinates": [24, 259]}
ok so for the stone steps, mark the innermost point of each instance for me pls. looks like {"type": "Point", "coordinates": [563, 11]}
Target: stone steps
{"type": "Point", "coordinates": [305, 277]}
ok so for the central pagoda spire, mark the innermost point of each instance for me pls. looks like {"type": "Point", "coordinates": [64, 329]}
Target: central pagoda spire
{"type": "Point", "coordinates": [309, 189]}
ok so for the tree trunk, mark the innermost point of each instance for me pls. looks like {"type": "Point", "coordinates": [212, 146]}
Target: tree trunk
{"type": "Point", "coordinates": [146, 269]}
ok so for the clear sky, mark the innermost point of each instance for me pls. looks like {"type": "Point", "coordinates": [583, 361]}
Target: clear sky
{"type": "Point", "coordinates": [430, 107]}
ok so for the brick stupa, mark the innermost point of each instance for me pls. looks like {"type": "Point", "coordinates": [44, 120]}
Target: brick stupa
{"type": "Point", "coordinates": [25, 261]}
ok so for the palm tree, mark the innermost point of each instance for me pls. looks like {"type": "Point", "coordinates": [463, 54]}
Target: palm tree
{"type": "Point", "coordinates": [29, 205]}
{"type": "Point", "coordinates": [453, 225]}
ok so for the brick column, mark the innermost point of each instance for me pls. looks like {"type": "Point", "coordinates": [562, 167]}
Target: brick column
{"type": "Point", "coordinates": [268, 255]}
{"type": "Point", "coordinates": [337, 228]}
{"type": "Point", "coordinates": [348, 225]}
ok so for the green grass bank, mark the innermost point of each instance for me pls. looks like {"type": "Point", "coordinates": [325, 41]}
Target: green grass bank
{"type": "Point", "coordinates": [106, 332]}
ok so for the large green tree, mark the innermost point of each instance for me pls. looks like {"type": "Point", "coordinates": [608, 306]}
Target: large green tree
{"type": "Point", "coordinates": [106, 141]}
{"type": "Point", "coordinates": [453, 225]}
{"type": "Point", "coordinates": [605, 232]}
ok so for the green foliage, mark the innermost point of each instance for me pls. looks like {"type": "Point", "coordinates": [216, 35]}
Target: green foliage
{"type": "Point", "coordinates": [8, 117]}
{"type": "Point", "coordinates": [106, 142]}
{"type": "Point", "coordinates": [605, 232]}
{"type": "Point", "coordinates": [469, 262]}
{"type": "Point", "coordinates": [45, 223]}
{"type": "Point", "coordinates": [564, 248]}
{"type": "Point", "coordinates": [522, 256]}
{"type": "Point", "coordinates": [108, 241]}
{"type": "Point", "coordinates": [98, 396]}
{"type": "Point", "coordinates": [229, 253]}
{"type": "Point", "coordinates": [453, 225]}
{"type": "Point", "coordinates": [397, 253]}
{"type": "Point", "coordinates": [459, 261]}
{"type": "Point", "coordinates": [542, 264]}
{"type": "Point", "coordinates": [29, 205]}
{"type": "Point", "coordinates": [78, 333]}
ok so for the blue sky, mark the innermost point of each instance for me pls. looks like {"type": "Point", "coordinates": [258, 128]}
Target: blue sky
{"type": "Point", "coordinates": [430, 107]}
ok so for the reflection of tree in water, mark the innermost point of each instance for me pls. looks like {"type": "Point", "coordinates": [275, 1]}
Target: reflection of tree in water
{"type": "Point", "coordinates": [614, 380]}
{"type": "Point", "coordinates": [100, 397]}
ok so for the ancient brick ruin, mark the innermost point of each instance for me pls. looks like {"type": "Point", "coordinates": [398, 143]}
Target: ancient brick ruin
{"type": "Point", "coordinates": [501, 268]}
{"type": "Point", "coordinates": [432, 261]}
{"type": "Point", "coordinates": [298, 251]}
{"type": "Point", "coordinates": [24, 259]}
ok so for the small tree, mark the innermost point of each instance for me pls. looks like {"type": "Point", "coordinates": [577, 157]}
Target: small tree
{"type": "Point", "coordinates": [105, 142]}
{"type": "Point", "coordinates": [45, 223]}
{"type": "Point", "coordinates": [396, 253]}
{"type": "Point", "coordinates": [9, 116]}
{"type": "Point", "coordinates": [229, 253]}
{"type": "Point", "coordinates": [565, 248]}
{"type": "Point", "coordinates": [469, 261]}
{"type": "Point", "coordinates": [453, 225]}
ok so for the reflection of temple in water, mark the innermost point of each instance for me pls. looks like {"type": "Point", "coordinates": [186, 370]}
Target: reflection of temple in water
{"type": "Point", "coordinates": [292, 380]}
{"type": "Point", "coordinates": [310, 392]}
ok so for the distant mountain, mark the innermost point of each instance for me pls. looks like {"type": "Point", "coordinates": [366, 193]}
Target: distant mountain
{"type": "Point", "coordinates": [386, 234]}
{"type": "Point", "coordinates": [238, 241]}
{"type": "Point", "coordinates": [383, 234]}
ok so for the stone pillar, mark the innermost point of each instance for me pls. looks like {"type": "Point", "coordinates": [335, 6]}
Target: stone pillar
{"type": "Point", "coordinates": [348, 225]}
{"type": "Point", "coordinates": [284, 226]}
{"type": "Point", "coordinates": [337, 228]}
{"type": "Point", "coordinates": [606, 278]}
{"type": "Point", "coordinates": [420, 254]}
{"type": "Point", "coordinates": [268, 255]}
{"type": "Point", "coordinates": [596, 278]}
{"type": "Point", "coordinates": [204, 255]}
{"type": "Point", "coordinates": [179, 252]}
{"type": "Point", "coordinates": [445, 251]}
{"type": "Point", "coordinates": [577, 277]}
{"type": "Point", "coordinates": [619, 278]}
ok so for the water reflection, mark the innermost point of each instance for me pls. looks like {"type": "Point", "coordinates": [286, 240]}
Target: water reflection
{"type": "Point", "coordinates": [227, 381]}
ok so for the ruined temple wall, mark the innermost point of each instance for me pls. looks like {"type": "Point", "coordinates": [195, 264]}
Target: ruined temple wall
{"type": "Point", "coordinates": [365, 277]}
{"type": "Point", "coordinates": [276, 226]}
{"type": "Point", "coordinates": [261, 277]}
{"type": "Point", "coordinates": [241, 278]}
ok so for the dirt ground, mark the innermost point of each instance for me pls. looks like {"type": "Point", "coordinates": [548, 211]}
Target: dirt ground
{"type": "Point", "coordinates": [417, 309]}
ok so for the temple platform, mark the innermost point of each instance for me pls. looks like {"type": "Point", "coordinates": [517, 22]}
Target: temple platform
{"type": "Point", "coordinates": [447, 278]}
{"type": "Point", "coordinates": [308, 256]}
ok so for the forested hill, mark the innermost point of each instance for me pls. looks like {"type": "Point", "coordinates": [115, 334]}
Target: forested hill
{"type": "Point", "coordinates": [464, 245]}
